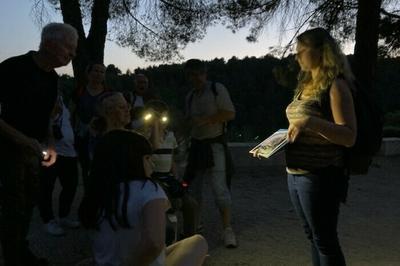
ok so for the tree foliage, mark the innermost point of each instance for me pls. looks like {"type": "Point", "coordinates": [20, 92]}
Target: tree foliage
{"type": "Point", "coordinates": [159, 29]}
{"type": "Point", "coordinates": [338, 16]}
{"type": "Point", "coordinates": [154, 29]}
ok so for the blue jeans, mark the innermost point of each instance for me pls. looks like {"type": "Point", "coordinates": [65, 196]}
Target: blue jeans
{"type": "Point", "coordinates": [316, 199]}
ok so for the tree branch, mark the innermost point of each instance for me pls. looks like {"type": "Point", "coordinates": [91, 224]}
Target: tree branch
{"type": "Point", "coordinates": [138, 21]}
{"type": "Point", "coordinates": [383, 11]}
{"type": "Point", "coordinates": [98, 30]}
{"type": "Point", "coordinates": [298, 29]}
{"type": "Point", "coordinates": [178, 7]}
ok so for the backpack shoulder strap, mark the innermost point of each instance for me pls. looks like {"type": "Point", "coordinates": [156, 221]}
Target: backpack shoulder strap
{"type": "Point", "coordinates": [215, 92]}
{"type": "Point", "coordinates": [190, 97]}
{"type": "Point", "coordinates": [325, 99]}
{"type": "Point", "coordinates": [189, 102]}
{"type": "Point", "coordinates": [214, 88]}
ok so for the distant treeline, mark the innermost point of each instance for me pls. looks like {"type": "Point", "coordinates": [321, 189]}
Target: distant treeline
{"type": "Point", "coordinates": [260, 88]}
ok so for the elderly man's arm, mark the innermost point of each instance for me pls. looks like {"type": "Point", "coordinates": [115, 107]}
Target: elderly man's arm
{"type": "Point", "coordinates": [19, 138]}
{"type": "Point", "coordinates": [51, 154]}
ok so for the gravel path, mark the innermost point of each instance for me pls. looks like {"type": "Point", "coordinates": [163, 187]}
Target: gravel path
{"type": "Point", "coordinates": [268, 230]}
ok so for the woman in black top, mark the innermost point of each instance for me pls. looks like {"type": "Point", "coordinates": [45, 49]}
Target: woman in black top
{"type": "Point", "coordinates": [321, 123]}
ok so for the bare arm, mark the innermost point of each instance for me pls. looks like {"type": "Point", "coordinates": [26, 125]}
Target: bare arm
{"type": "Point", "coordinates": [220, 117]}
{"type": "Point", "coordinates": [343, 130]}
{"type": "Point", "coordinates": [155, 135]}
{"type": "Point", "coordinates": [153, 235]}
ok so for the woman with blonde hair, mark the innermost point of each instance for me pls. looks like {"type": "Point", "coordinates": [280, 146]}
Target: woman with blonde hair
{"type": "Point", "coordinates": [322, 123]}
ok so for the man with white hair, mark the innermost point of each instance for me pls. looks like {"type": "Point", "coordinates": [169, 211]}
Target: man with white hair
{"type": "Point", "coordinates": [28, 93]}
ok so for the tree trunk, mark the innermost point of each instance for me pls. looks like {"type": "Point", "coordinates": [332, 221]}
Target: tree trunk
{"type": "Point", "coordinates": [90, 49]}
{"type": "Point", "coordinates": [98, 31]}
{"type": "Point", "coordinates": [366, 47]}
{"type": "Point", "coordinates": [71, 12]}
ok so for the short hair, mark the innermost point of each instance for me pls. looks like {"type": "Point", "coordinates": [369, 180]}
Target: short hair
{"type": "Point", "coordinates": [141, 75]}
{"type": "Point", "coordinates": [58, 31]}
{"type": "Point", "coordinates": [195, 64]}
{"type": "Point", "coordinates": [104, 102]}
{"type": "Point", "coordinates": [90, 65]}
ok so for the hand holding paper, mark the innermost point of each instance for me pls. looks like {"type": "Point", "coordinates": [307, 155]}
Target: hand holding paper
{"type": "Point", "coordinates": [271, 145]}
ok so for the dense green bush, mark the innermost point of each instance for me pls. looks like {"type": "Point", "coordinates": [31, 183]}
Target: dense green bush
{"type": "Point", "coordinates": [260, 89]}
{"type": "Point", "coordinates": [392, 118]}
{"type": "Point", "coordinates": [392, 124]}
{"type": "Point", "coordinates": [391, 132]}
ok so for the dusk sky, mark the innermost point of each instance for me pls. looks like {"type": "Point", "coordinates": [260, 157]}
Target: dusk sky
{"type": "Point", "coordinates": [20, 34]}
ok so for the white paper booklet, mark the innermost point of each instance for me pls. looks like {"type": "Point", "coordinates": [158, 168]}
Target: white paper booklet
{"type": "Point", "coordinates": [271, 145]}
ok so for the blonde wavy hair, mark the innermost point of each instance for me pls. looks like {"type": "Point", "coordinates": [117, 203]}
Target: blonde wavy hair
{"type": "Point", "coordinates": [333, 61]}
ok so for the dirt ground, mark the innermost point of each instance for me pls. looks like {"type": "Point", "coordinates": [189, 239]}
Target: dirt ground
{"type": "Point", "coordinates": [268, 230]}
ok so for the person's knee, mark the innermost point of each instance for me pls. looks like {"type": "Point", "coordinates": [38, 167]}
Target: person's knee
{"type": "Point", "coordinates": [224, 201]}
{"type": "Point", "coordinates": [327, 244]}
{"type": "Point", "coordinates": [200, 242]}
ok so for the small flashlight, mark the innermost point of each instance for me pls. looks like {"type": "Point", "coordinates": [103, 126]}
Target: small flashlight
{"type": "Point", "coordinates": [44, 153]}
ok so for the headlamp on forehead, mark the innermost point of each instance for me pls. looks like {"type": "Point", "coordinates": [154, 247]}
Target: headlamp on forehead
{"type": "Point", "coordinates": [164, 119]}
{"type": "Point", "coordinates": [149, 116]}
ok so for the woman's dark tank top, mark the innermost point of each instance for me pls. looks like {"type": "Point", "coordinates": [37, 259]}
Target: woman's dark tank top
{"type": "Point", "coordinates": [311, 151]}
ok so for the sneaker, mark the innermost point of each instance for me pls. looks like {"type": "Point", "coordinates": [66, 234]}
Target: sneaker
{"type": "Point", "coordinates": [69, 223]}
{"type": "Point", "coordinates": [229, 238]}
{"type": "Point", "coordinates": [53, 228]}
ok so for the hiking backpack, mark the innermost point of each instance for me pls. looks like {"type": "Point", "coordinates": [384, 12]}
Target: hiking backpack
{"type": "Point", "coordinates": [358, 158]}
{"type": "Point", "coordinates": [369, 133]}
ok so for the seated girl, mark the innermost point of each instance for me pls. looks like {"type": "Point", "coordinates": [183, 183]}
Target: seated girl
{"type": "Point", "coordinates": [124, 205]}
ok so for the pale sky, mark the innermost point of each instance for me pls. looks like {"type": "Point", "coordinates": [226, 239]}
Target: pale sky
{"type": "Point", "coordinates": [20, 34]}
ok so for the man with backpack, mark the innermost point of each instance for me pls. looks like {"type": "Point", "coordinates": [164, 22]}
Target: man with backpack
{"type": "Point", "coordinates": [209, 108]}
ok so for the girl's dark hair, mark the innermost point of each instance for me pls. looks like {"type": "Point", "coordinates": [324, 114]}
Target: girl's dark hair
{"type": "Point", "coordinates": [118, 159]}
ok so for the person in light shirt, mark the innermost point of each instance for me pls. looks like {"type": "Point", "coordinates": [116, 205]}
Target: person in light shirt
{"type": "Point", "coordinates": [65, 169]}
